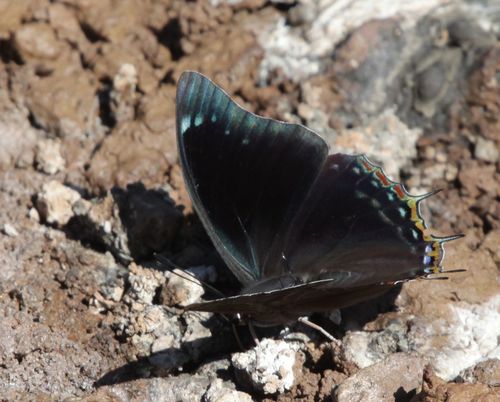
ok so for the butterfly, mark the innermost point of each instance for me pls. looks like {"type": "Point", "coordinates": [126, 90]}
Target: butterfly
{"type": "Point", "coordinates": [303, 230]}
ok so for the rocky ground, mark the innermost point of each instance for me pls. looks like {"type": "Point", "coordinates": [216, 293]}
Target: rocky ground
{"type": "Point", "coordinates": [91, 189]}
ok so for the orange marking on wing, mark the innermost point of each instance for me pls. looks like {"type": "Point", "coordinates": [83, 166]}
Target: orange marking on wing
{"type": "Point", "coordinates": [382, 178]}
{"type": "Point", "coordinates": [367, 166]}
{"type": "Point", "coordinates": [399, 191]}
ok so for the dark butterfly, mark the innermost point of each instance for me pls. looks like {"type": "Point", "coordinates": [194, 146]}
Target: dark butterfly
{"type": "Point", "coordinates": [302, 230]}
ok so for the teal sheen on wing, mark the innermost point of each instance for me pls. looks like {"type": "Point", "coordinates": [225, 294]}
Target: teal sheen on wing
{"type": "Point", "coordinates": [232, 161]}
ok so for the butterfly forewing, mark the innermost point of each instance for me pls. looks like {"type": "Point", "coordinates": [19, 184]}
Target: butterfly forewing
{"type": "Point", "coordinates": [246, 175]}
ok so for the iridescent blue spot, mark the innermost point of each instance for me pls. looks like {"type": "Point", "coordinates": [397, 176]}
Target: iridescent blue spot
{"type": "Point", "coordinates": [185, 124]}
{"type": "Point", "coordinates": [427, 260]}
{"type": "Point", "coordinates": [414, 233]}
{"type": "Point", "coordinates": [213, 118]}
{"type": "Point", "coordinates": [402, 212]}
{"type": "Point", "coordinates": [198, 120]}
{"type": "Point", "coordinates": [376, 203]}
{"type": "Point", "coordinates": [375, 183]}
{"type": "Point", "coordinates": [356, 170]}
{"type": "Point", "coordinates": [390, 196]}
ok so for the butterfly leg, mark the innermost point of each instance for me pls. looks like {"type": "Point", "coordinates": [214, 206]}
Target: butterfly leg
{"type": "Point", "coordinates": [238, 340]}
{"type": "Point", "coordinates": [285, 332]}
{"type": "Point", "coordinates": [253, 333]}
{"type": "Point", "coordinates": [305, 321]}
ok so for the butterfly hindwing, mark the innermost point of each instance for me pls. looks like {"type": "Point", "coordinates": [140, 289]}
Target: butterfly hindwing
{"type": "Point", "coordinates": [356, 219]}
{"type": "Point", "coordinates": [286, 305]}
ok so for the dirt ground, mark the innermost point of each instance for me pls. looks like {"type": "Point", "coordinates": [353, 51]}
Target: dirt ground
{"type": "Point", "coordinates": [91, 191]}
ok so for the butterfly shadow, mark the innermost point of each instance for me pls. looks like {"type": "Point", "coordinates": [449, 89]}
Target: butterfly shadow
{"type": "Point", "coordinates": [187, 358]}
{"type": "Point", "coordinates": [357, 316]}
{"type": "Point", "coordinates": [148, 220]}
{"type": "Point", "coordinates": [190, 356]}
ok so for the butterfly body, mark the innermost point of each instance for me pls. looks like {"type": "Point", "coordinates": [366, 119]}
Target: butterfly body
{"type": "Point", "coordinates": [303, 230]}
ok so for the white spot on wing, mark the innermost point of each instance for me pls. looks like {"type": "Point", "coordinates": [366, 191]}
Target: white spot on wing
{"type": "Point", "coordinates": [198, 120]}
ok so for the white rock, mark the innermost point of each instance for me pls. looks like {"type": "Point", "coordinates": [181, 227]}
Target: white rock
{"type": "Point", "coordinates": [486, 150]}
{"type": "Point", "coordinates": [143, 284]}
{"type": "Point", "coordinates": [386, 137]}
{"type": "Point", "coordinates": [220, 392]}
{"type": "Point", "coordinates": [299, 52]}
{"type": "Point", "coordinates": [366, 348]}
{"type": "Point", "coordinates": [268, 367]}
{"type": "Point", "coordinates": [382, 381]}
{"type": "Point", "coordinates": [166, 349]}
{"type": "Point", "coordinates": [48, 158]}
{"type": "Point", "coordinates": [195, 332]}
{"type": "Point", "coordinates": [126, 78]}
{"type": "Point", "coordinates": [471, 336]}
{"type": "Point", "coordinates": [451, 172]}
{"type": "Point", "coordinates": [9, 230]}
{"type": "Point", "coordinates": [34, 215]}
{"type": "Point", "coordinates": [55, 201]}
{"type": "Point", "coordinates": [181, 289]}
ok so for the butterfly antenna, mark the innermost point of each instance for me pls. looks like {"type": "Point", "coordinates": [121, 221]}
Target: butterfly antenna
{"type": "Point", "coordinates": [186, 275]}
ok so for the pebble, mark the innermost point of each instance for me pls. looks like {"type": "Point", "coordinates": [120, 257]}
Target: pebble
{"type": "Point", "coordinates": [9, 230]}
{"type": "Point", "coordinates": [55, 202]}
{"type": "Point", "coordinates": [486, 150]}
{"type": "Point", "coordinates": [268, 367]}
{"type": "Point", "coordinates": [48, 158]}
